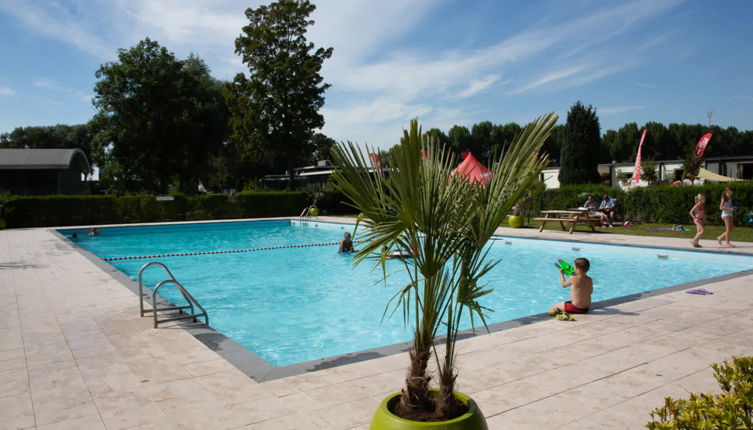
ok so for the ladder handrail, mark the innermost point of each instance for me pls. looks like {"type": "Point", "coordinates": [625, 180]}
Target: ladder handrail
{"type": "Point", "coordinates": [186, 295]}
{"type": "Point", "coordinates": [305, 214]}
{"type": "Point", "coordinates": [191, 302]}
{"type": "Point", "coordinates": [141, 284]}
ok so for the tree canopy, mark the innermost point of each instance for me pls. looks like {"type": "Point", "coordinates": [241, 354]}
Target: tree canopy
{"type": "Point", "coordinates": [579, 155]}
{"type": "Point", "coordinates": [275, 109]}
{"type": "Point", "coordinates": [159, 118]}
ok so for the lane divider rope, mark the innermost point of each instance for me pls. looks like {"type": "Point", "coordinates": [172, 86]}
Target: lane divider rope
{"type": "Point", "coordinates": [230, 251]}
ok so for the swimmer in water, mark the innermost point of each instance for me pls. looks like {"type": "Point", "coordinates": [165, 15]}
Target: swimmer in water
{"type": "Point", "coordinates": [346, 246]}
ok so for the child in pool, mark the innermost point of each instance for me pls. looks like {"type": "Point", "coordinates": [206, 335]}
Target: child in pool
{"type": "Point", "coordinates": [697, 212]}
{"type": "Point", "coordinates": [580, 292]}
{"type": "Point", "coordinates": [346, 245]}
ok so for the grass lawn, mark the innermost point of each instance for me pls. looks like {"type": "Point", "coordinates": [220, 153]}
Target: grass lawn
{"type": "Point", "coordinates": [739, 234]}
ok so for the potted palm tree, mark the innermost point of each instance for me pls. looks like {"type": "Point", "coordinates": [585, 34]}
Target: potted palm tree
{"type": "Point", "coordinates": [446, 222]}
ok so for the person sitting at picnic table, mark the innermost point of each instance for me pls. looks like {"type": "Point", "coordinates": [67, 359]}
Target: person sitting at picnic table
{"type": "Point", "coordinates": [608, 206]}
{"type": "Point", "coordinates": [590, 204]}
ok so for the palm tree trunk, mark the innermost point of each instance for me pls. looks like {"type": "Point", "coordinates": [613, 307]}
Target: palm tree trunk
{"type": "Point", "coordinates": [415, 395]}
{"type": "Point", "coordinates": [446, 403]}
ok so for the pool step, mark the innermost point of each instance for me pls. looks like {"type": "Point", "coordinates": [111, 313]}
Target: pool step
{"type": "Point", "coordinates": [192, 302]}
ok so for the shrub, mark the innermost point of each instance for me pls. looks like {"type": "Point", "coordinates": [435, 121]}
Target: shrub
{"type": "Point", "coordinates": [662, 204]}
{"type": "Point", "coordinates": [334, 203]}
{"type": "Point", "coordinates": [46, 211]}
{"type": "Point", "coordinates": [732, 409]}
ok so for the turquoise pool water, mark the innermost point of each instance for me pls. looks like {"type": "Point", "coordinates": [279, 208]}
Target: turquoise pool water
{"type": "Point", "coordinates": [292, 305]}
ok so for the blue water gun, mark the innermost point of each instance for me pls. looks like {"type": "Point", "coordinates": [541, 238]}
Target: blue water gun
{"type": "Point", "coordinates": [566, 267]}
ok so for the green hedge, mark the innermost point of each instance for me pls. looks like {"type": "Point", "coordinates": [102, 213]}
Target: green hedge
{"type": "Point", "coordinates": [660, 204]}
{"type": "Point", "coordinates": [44, 211]}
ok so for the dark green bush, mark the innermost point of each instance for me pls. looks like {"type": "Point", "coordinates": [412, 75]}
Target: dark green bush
{"type": "Point", "coordinates": [660, 204]}
{"type": "Point", "coordinates": [732, 409]}
{"type": "Point", "coordinates": [334, 203]}
{"type": "Point", "coordinates": [45, 211]}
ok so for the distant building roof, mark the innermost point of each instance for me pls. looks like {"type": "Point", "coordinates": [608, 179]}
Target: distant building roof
{"type": "Point", "coordinates": [40, 159]}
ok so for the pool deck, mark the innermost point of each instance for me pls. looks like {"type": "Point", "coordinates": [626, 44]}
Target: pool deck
{"type": "Point", "coordinates": [74, 354]}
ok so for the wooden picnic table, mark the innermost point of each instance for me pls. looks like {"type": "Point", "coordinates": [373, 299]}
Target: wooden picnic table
{"type": "Point", "coordinates": [570, 216]}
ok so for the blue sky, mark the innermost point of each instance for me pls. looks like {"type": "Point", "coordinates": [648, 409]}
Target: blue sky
{"type": "Point", "coordinates": [444, 61]}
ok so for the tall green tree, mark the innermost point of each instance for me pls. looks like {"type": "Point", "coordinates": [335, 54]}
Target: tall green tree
{"type": "Point", "coordinates": [275, 109]}
{"type": "Point", "coordinates": [439, 136]}
{"type": "Point", "coordinates": [482, 140]}
{"type": "Point", "coordinates": [581, 148]}
{"type": "Point", "coordinates": [460, 139]}
{"type": "Point", "coordinates": [323, 145]}
{"type": "Point", "coordinates": [502, 136]}
{"type": "Point", "coordinates": [159, 119]}
{"type": "Point", "coordinates": [553, 144]}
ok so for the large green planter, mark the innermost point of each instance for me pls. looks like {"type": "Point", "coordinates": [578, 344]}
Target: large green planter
{"type": "Point", "coordinates": [386, 420]}
{"type": "Point", "coordinates": [515, 221]}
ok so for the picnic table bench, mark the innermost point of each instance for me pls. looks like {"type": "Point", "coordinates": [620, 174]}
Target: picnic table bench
{"type": "Point", "coordinates": [570, 216]}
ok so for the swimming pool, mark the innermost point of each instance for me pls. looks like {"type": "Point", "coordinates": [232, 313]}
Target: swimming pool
{"type": "Point", "coordinates": [297, 304]}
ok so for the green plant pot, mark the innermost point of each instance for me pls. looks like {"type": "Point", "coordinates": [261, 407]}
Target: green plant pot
{"type": "Point", "coordinates": [386, 420]}
{"type": "Point", "coordinates": [314, 212]}
{"type": "Point", "coordinates": [515, 221]}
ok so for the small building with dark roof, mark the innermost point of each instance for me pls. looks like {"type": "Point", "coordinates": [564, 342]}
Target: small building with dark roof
{"type": "Point", "coordinates": [43, 171]}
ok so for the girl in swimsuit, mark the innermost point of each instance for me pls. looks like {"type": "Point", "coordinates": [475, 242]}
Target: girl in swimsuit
{"type": "Point", "coordinates": [697, 212]}
{"type": "Point", "coordinates": [727, 209]}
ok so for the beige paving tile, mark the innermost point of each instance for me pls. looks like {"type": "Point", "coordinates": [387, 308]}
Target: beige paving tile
{"type": "Point", "coordinates": [13, 363]}
{"type": "Point", "coordinates": [91, 422]}
{"type": "Point", "coordinates": [48, 354]}
{"type": "Point", "coordinates": [201, 368]}
{"type": "Point", "coordinates": [352, 414]}
{"type": "Point", "coordinates": [157, 371]}
{"type": "Point", "coordinates": [16, 411]}
{"type": "Point", "coordinates": [127, 410]}
{"type": "Point", "coordinates": [10, 338]}
{"type": "Point", "coordinates": [14, 382]}
{"type": "Point", "coordinates": [610, 419]}
{"type": "Point", "coordinates": [293, 422]}
{"type": "Point", "coordinates": [232, 387]}
{"type": "Point", "coordinates": [56, 405]}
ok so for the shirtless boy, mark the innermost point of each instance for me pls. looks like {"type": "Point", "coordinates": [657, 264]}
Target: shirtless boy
{"type": "Point", "coordinates": [580, 292]}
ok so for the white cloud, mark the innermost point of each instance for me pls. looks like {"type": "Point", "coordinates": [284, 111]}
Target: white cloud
{"type": "Point", "coordinates": [550, 77]}
{"type": "Point", "coordinates": [379, 79]}
{"type": "Point", "coordinates": [478, 85]}
{"type": "Point", "coordinates": [187, 23]}
{"type": "Point", "coordinates": [49, 84]}
{"type": "Point", "coordinates": [6, 91]}
{"type": "Point", "coordinates": [619, 109]}
{"type": "Point", "coordinates": [56, 22]}
{"type": "Point", "coordinates": [748, 98]}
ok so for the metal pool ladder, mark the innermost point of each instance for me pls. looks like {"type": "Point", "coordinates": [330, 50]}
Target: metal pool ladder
{"type": "Point", "coordinates": [306, 214]}
{"type": "Point", "coordinates": [192, 302]}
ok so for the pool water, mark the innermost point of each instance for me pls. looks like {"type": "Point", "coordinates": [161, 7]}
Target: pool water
{"type": "Point", "coordinates": [292, 305]}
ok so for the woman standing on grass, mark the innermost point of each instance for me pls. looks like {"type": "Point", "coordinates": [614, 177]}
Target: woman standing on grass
{"type": "Point", "coordinates": [727, 209]}
{"type": "Point", "coordinates": [697, 212]}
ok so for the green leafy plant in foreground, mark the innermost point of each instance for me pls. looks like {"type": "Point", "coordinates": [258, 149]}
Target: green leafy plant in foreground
{"type": "Point", "coordinates": [732, 409]}
{"type": "Point", "coordinates": [447, 223]}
